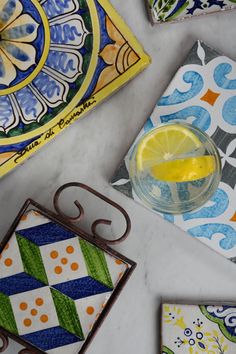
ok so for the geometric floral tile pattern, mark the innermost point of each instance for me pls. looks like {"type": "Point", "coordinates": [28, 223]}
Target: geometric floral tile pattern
{"type": "Point", "coordinates": [58, 60]}
{"type": "Point", "coordinates": [192, 329]}
{"type": "Point", "coordinates": [202, 93]}
{"type": "Point", "coordinates": [54, 285]}
{"type": "Point", "coordinates": [176, 10]}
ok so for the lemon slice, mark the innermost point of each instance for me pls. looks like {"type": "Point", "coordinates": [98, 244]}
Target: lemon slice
{"type": "Point", "coordinates": [184, 170]}
{"type": "Point", "coordinates": [165, 143]}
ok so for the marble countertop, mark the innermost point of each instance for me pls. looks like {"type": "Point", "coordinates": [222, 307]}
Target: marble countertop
{"type": "Point", "coordinates": [171, 265]}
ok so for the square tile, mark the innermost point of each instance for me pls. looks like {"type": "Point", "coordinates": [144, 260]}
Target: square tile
{"type": "Point", "coordinates": [193, 329]}
{"type": "Point", "coordinates": [202, 93]}
{"type": "Point", "coordinates": [56, 285]}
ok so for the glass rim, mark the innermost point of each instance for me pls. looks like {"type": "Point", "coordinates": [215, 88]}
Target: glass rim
{"type": "Point", "coordinates": [181, 206]}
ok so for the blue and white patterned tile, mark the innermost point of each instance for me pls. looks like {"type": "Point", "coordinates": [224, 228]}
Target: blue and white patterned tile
{"type": "Point", "coordinates": [203, 93]}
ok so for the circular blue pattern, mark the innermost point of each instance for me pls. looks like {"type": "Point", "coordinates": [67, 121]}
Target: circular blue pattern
{"type": "Point", "coordinates": [24, 29]}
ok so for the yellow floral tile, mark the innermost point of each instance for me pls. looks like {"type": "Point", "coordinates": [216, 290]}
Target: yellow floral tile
{"type": "Point", "coordinates": [56, 64]}
{"type": "Point", "coordinates": [193, 329]}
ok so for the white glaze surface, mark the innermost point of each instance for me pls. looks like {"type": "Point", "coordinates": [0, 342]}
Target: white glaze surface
{"type": "Point", "coordinates": [171, 265]}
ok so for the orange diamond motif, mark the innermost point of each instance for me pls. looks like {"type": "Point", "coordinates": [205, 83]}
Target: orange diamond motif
{"type": "Point", "coordinates": [210, 97]}
{"type": "Point", "coordinates": [233, 217]}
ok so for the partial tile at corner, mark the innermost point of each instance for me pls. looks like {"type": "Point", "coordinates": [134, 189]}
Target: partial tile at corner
{"type": "Point", "coordinates": [164, 11]}
{"type": "Point", "coordinates": [193, 329]}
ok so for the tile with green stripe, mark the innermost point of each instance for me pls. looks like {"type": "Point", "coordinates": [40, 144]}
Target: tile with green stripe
{"type": "Point", "coordinates": [96, 263]}
{"type": "Point", "coordinates": [67, 313]}
{"type": "Point", "coordinates": [7, 319]}
{"type": "Point", "coordinates": [32, 259]}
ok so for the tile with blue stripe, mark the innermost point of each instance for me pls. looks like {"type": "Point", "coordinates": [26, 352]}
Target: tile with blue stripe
{"type": "Point", "coordinates": [45, 234]}
{"type": "Point", "coordinates": [51, 338]}
{"type": "Point", "coordinates": [19, 283]}
{"type": "Point", "coordinates": [83, 287]}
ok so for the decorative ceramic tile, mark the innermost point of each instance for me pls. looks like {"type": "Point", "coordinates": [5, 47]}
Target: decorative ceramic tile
{"type": "Point", "coordinates": [203, 93]}
{"type": "Point", "coordinates": [58, 60]}
{"type": "Point", "coordinates": [54, 286]}
{"type": "Point", "coordinates": [192, 329]}
{"type": "Point", "coordinates": [162, 11]}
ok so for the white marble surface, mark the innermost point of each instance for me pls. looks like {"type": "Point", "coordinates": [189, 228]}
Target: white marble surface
{"type": "Point", "coordinates": [171, 265]}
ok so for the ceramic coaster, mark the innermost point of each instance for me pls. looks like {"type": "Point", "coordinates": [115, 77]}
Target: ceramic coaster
{"type": "Point", "coordinates": [57, 283]}
{"type": "Point", "coordinates": [162, 11]}
{"type": "Point", "coordinates": [192, 329]}
{"type": "Point", "coordinates": [202, 93]}
{"type": "Point", "coordinates": [58, 60]}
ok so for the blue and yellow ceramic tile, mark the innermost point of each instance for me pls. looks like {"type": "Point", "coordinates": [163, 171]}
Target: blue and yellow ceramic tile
{"type": "Point", "coordinates": [177, 10]}
{"type": "Point", "coordinates": [57, 61]}
{"type": "Point", "coordinates": [54, 285]}
{"type": "Point", "coordinates": [192, 329]}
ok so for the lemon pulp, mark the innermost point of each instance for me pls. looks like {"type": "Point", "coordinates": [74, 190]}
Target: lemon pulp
{"type": "Point", "coordinates": [163, 153]}
{"type": "Point", "coordinates": [184, 170]}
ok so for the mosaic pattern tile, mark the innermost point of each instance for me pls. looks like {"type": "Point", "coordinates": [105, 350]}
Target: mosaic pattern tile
{"type": "Point", "coordinates": [54, 285]}
{"type": "Point", "coordinates": [58, 60]}
{"type": "Point", "coordinates": [162, 11]}
{"type": "Point", "coordinates": [202, 93]}
{"type": "Point", "coordinates": [192, 329]}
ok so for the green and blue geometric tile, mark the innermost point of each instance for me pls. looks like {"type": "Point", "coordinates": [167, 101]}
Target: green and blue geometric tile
{"type": "Point", "coordinates": [193, 329]}
{"type": "Point", "coordinates": [54, 285]}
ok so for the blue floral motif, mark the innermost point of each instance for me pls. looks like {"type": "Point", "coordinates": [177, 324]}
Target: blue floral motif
{"type": "Point", "coordinates": [28, 102]}
{"type": "Point", "coordinates": [229, 111]}
{"type": "Point", "coordinates": [148, 125]}
{"type": "Point", "coordinates": [181, 4]}
{"type": "Point", "coordinates": [61, 62]}
{"type": "Point", "coordinates": [22, 44]}
{"type": "Point", "coordinates": [65, 33]}
{"type": "Point", "coordinates": [183, 192]}
{"type": "Point", "coordinates": [55, 8]}
{"type": "Point", "coordinates": [197, 5]}
{"type": "Point", "coordinates": [225, 316]}
{"type": "Point", "coordinates": [169, 217]}
{"type": "Point", "coordinates": [209, 230]}
{"type": "Point", "coordinates": [221, 203]}
{"type": "Point", "coordinates": [219, 3]}
{"type": "Point", "coordinates": [190, 77]}
{"type": "Point", "coordinates": [5, 110]}
{"type": "Point", "coordinates": [220, 73]}
{"type": "Point", "coordinates": [202, 116]}
{"type": "Point", "coordinates": [19, 39]}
